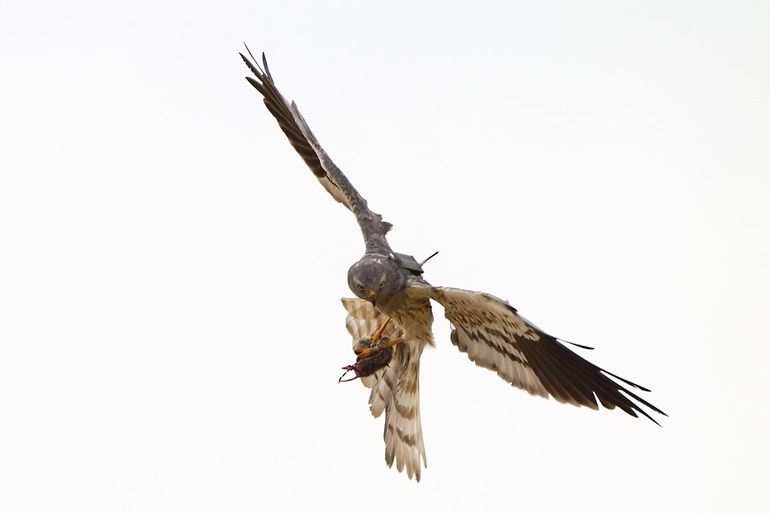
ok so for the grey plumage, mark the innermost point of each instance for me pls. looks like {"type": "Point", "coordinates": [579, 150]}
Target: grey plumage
{"type": "Point", "coordinates": [301, 137]}
{"type": "Point", "coordinates": [487, 329]}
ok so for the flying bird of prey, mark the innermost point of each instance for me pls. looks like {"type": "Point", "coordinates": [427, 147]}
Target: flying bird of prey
{"type": "Point", "coordinates": [392, 312]}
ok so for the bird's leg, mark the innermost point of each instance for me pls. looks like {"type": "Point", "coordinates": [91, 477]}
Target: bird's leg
{"type": "Point", "coordinates": [389, 343]}
{"type": "Point", "coordinates": [372, 342]}
{"type": "Point", "coordinates": [365, 353]}
{"type": "Point", "coordinates": [383, 344]}
{"type": "Point", "coordinates": [377, 335]}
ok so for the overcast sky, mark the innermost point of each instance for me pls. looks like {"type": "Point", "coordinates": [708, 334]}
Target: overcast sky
{"type": "Point", "coordinates": [170, 272]}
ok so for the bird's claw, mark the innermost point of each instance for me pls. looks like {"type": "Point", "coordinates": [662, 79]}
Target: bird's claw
{"type": "Point", "coordinates": [371, 357]}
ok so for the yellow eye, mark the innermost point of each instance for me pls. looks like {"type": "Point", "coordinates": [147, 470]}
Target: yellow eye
{"type": "Point", "coordinates": [360, 288]}
{"type": "Point", "coordinates": [382, 284]}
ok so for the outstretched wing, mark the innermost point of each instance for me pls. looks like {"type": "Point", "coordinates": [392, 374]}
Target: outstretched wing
{"type": "Point", "coordinates": [302, 139]}
{"type": "Point", "coordinates": [496, 337]}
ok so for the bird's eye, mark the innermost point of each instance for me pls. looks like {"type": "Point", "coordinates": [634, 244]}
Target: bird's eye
{"type": "Point", "coordinates": [382, 283]}
{"type": "Point", "coordinates": [360, 287]}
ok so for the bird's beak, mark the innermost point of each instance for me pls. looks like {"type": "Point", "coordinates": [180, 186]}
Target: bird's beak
{"type": "Point", "coordinates": [372, 296]}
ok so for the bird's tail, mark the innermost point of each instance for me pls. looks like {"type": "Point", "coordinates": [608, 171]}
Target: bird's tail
{"type": "Point", "coordinates": [395, 388]}
{"type": "Point", "coordinates": [403, 430]}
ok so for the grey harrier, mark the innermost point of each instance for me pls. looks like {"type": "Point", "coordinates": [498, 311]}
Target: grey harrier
{"type": "Point", "coordinates": [390, 321]}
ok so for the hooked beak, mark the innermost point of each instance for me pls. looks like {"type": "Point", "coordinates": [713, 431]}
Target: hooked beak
{"type": "Point", "coordinates": [372, 296]}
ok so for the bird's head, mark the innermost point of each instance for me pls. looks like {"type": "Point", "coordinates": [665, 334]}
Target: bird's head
{"type": "Point", "coordinates": [376, 278]}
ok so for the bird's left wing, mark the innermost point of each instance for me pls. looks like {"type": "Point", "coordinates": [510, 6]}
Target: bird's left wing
{"type": "Point", "coordinates": [302, 139]}
{"type": "Point", "coordinates": [496, 337]}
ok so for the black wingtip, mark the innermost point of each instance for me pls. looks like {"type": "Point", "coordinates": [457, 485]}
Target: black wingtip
{"type": "Point", "coordinates": [254, 68]}
{"type": "Point", "coordinates": [627, 382]}
{"type": "Point", "coordinates": [267, 69]}
{"type": "Point", "coordinates": [254, 63]}
{"type": "Point", "coordinates": [246, 61]}
{"type": "Point", "coordinates": [650, 418]}
{"type": "Point", "coordinates": [581, 346]}
{"type": "Point", "coordinates": [254, 83]}
{"type": "Point", "coordinates": [644, 403]}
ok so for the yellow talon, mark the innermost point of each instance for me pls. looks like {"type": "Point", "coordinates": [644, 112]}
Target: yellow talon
{"type": "Point", "coordinates": [366, 353]}
{"type": "Point", "coordinates": [363, 352]}
{"type": "Point", "coordinates": [389, 343]}
{"type": "Point", "coordinates": [378, 334]}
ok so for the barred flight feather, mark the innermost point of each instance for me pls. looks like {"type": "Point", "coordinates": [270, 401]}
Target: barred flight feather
{"type": "Point", "coordinates": [495, 336]}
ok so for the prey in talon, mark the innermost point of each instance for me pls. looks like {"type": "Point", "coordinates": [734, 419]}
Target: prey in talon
{"type": "Point", "coordinates": [371, 358]}
{"type": "Point", "coordinates": [372, 354]}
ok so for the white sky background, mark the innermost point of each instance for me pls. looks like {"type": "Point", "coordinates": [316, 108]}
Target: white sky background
{"type": "Point", "coordinates": [170, 272]}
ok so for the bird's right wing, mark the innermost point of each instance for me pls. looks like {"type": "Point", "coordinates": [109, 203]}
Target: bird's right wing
{"type": "Point", "coordinates": [302, 139]}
